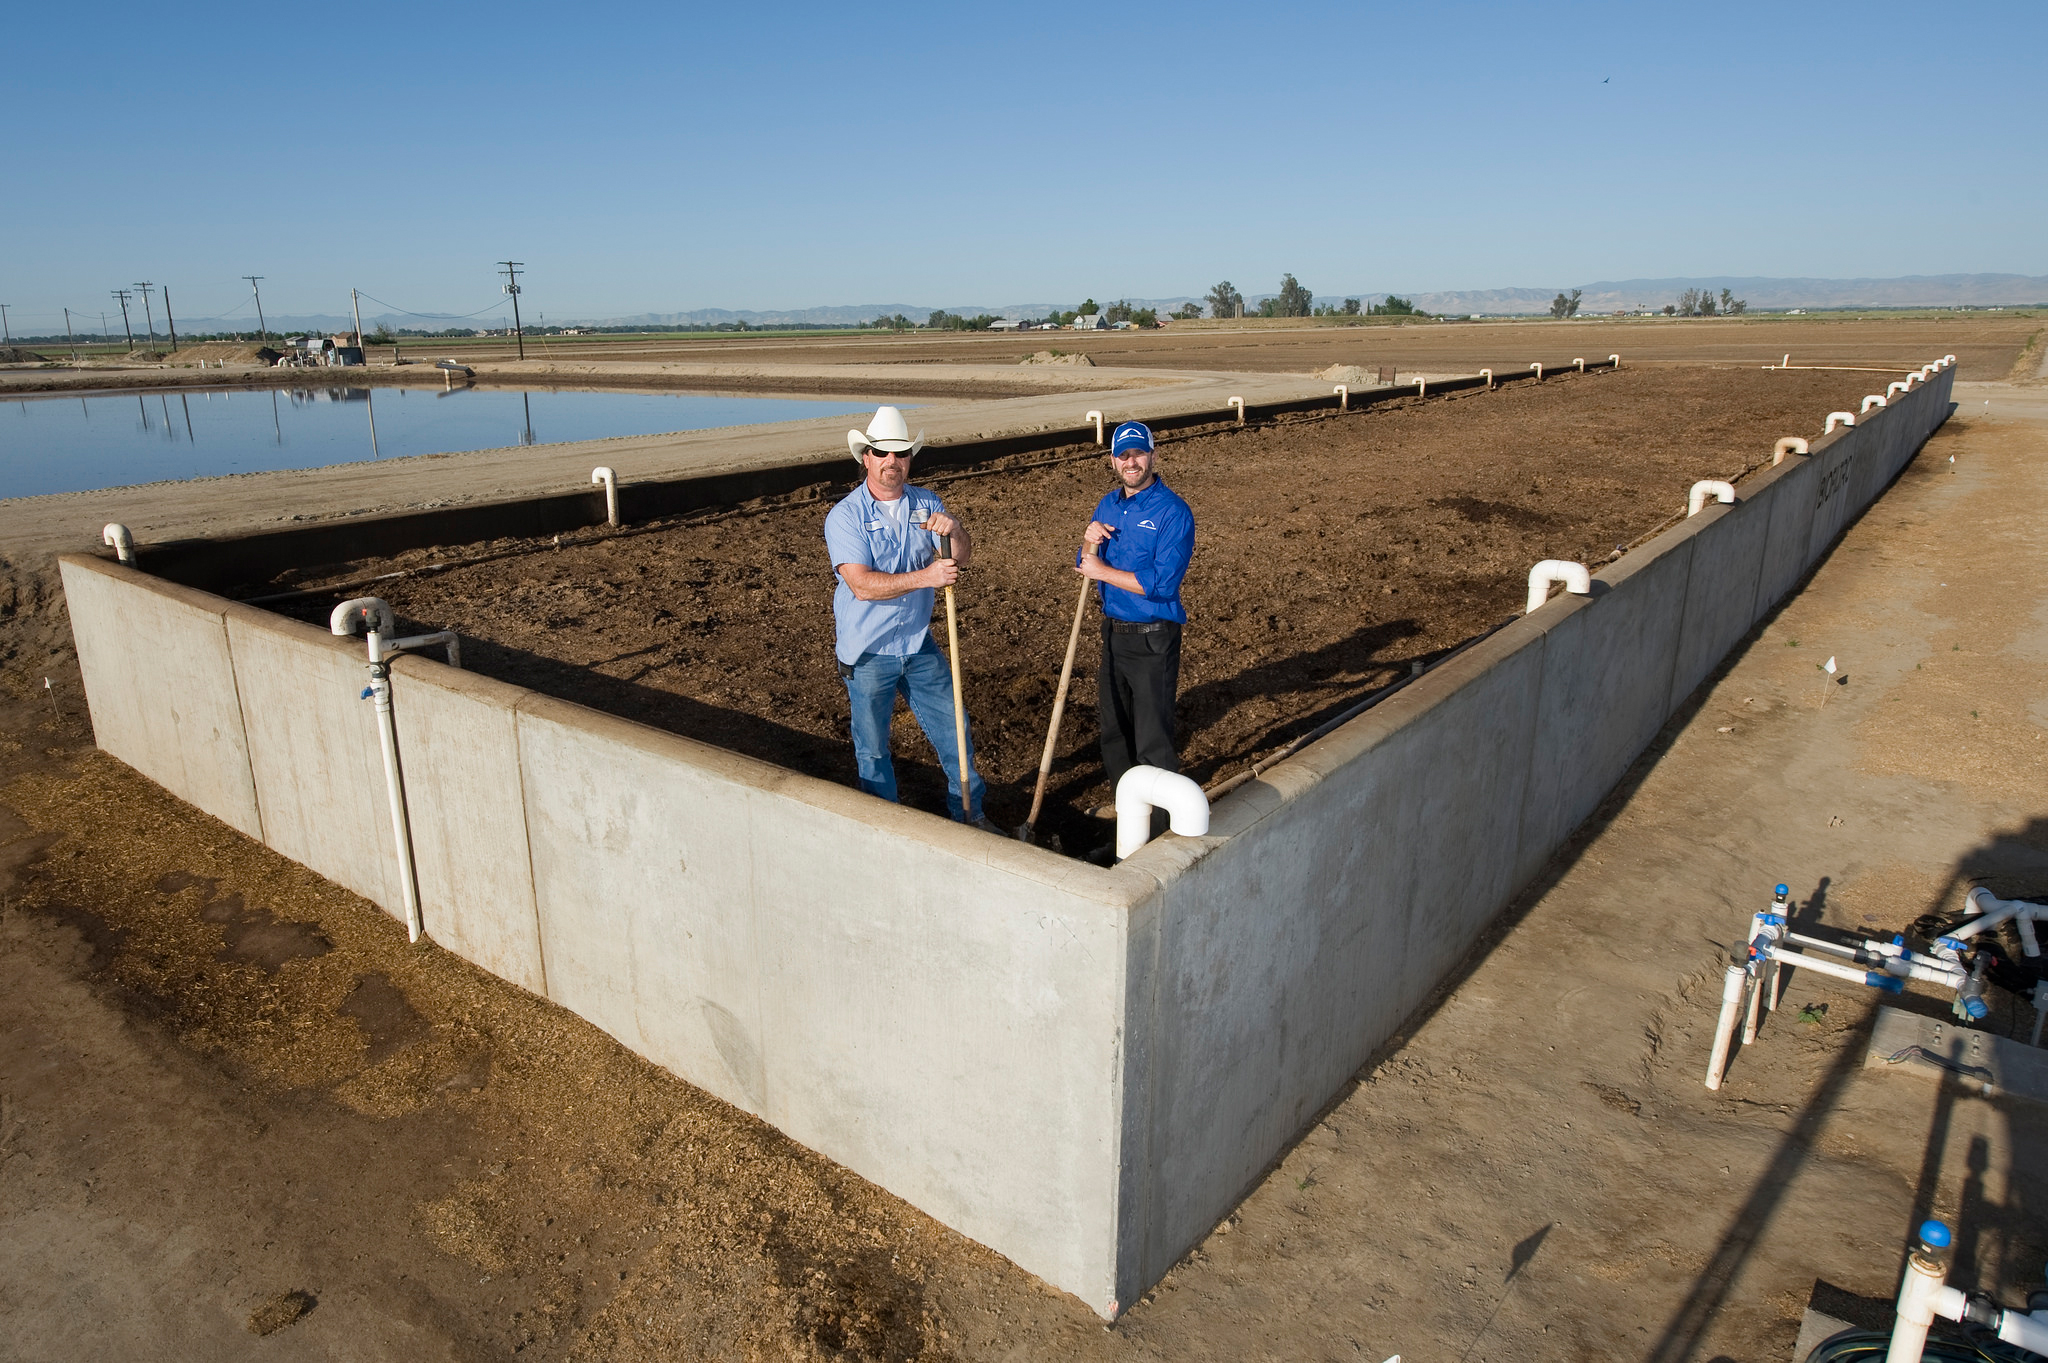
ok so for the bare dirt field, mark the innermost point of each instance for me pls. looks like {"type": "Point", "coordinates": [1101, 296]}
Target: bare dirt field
{"type": "Point", "coordinates": [1332, 554]}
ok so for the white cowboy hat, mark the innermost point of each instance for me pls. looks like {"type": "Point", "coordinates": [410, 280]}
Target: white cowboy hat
{"type": "Point", "coordinates": [888, 432]}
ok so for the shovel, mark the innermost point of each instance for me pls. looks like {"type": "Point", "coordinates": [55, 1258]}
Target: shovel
{"type": "Point", "coordinates": [959, 700]}
{"type": "Point", "coordinates": [1059, 709]}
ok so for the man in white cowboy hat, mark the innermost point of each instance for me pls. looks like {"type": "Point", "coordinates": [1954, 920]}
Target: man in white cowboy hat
{"type": "Point", "coordinates": [883, 538]}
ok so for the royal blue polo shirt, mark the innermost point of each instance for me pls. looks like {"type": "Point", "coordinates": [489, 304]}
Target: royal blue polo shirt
{"type": "Point", "coordinates": [1155, 538]}
{"type": "Point", "coordinates": [859, 531]}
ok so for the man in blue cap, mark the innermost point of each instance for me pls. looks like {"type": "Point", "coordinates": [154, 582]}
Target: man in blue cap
{"type": "Point", "coordinates": [883, 542]}
{"type": "Point", "coordinates": [1137, 548]}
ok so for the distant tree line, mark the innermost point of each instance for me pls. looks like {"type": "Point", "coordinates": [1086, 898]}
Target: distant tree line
{"type": "Point", "coordinates": [1701, 303]}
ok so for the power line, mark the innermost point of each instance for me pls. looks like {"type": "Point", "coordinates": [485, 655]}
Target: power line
{"type": "Point", "coordinates": [122, 295]}
{"type": "Point", "coordinates": [146, 286]}
{"type": "Point", "coordinates": [262, 331]}
{"type": "Point", "coordinates": [512, 287]}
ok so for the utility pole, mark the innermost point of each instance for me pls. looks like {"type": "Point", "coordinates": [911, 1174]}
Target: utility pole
{"type": "Point", "coordinates": [168, 320]}
{"type": "Point", "coordinates": [512, 274]}
{"type": "Point", "coordinates": [262, 331]}
{"type": "Point", "coordinates": [122, 295]}
{"type": "Point", "coordinates": [356, 303]}
{"type": "Point", "coordinates": [69, 339]}
{"type": "Point", "coordinates": [6, 333]}
{"type": "Point", "coordinates": [146, 286]}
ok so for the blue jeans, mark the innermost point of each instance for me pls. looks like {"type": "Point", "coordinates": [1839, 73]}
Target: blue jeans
{"type": "Point", "coordinates": [925, 680]}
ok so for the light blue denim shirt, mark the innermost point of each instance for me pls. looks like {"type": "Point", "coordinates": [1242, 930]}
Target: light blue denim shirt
{"type": "Point", "coordinates": [859, 531]}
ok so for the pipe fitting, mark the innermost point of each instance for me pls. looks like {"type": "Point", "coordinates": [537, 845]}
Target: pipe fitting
{"type": "Point", "coordinates": [1576, 579]}
{"type": "Point", "coordinates": [1487, 374]}
{"type": "Point", "coordinates": [1141, 790]}
{"type": "Point", "coordinates": [1421, 387]}
{"type": "Point", "coordinates": [1871, 400]}
{"type": "Point", "coordinates": [1839, 418]}
{"type": "Point", "coordinates": [1581, 365]}
{"type": "Point", "coordinates": [1239, 404]}
{"type": "Point", "coordinates": [1720, 491]}
{"type": "Point", "coordinates": [1538, 367]}
{"type": "Point", "coordinates": [1343, 397]}
{"type": "Point", "coordinates": [1095, 417]}
{"type": "Point", "coordinates": [603, 475]}
{"type": "Point", "coordinates": [1614, 360]}
{"type": "Point", "coordinates": [1791, 444]}
{"type": "Point", "coordinates": [1894, 388]}
{"type": "Point", "coordinates": [116, 535]}
{"type": "Point", "coordinates": [369, 613]}
{"type": "Point", "coordinates": [1947, 360]}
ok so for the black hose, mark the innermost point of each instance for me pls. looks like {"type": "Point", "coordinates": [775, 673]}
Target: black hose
{"type": "Point", "coordinates": [1858, 1346]}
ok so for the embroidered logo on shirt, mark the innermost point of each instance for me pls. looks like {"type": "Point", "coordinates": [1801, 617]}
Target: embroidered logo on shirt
{"type": "Point", "coordinates": [1147, 525]}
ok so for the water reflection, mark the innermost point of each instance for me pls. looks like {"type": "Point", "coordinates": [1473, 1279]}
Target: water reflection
{"type": "Point", "coordinates": [56, 448]}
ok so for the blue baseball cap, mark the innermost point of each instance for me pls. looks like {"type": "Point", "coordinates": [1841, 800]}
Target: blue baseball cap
{"type": "Point", "coordinates": [1132, 435]}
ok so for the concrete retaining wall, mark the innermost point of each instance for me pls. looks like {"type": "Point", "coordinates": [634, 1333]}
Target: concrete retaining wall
{"type": "Point", "coordinates": [1081, 1068]}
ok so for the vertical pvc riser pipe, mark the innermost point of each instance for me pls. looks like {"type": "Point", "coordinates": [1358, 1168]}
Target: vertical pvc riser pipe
{"type": "Point", "coordinates": [1791, 444]}
{"type": "Point", "coordinates": [1581, 364]}
{"type": "Point", "coordinates": [1538, 367]}
{"type": "Point", "coordinates": [1696, 499]}
{"type": "Point", "coordinates": [1871, 400]}
{"type": "Point", "coordinates": [1238, 403]}
{"type": "Point", "coordinates": [1926, 1275]}
{"type": "Point", "coordinates": [1095, 417]}
{"type": "Point", "coordinates": [1734, 983]}
{"type": "Point", "coordinates": [610, 480]}
{"type": "Point", "coordinates": [401, 825]}
{"type": "Point", "coordinates": [1614, 360]}
{"type": "Point", "coordinates": [117, 537]}
{"type": "Point", "coordinates": [1487, 374]}
{"type": "Point", "coordinates": [1343, 397]}
{"type": "Point", "coordinates": [1839, 419]}
{"type": "Point", "coordinates": [1141, 790]}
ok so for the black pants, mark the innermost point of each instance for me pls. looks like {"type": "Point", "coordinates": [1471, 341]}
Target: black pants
{"type": "Point", "coordinates": [1138, 680]}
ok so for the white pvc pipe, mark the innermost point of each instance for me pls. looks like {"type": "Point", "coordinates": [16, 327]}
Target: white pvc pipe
{"type": "Point", "coordinates": [1905, 385]}
{"type": "Point", "coordinates": [1141, 790]}
{"type": "Point", "coordinates": [1996, 911]}
{"type": "Point", "coordinates": [1343, 397]}
{"type": "Point", "coordinates": [1095, 417]}
{"type": "Point", "coordinates": [1581, 365]}
{"type": "Point", "coordinates": [1919, 1292]}
{"type": "Point", "coordinates": [1488, 373]}
{"type": "Point", "coordinates": [1791, 444]}
{"type": "Point", "coordinates": [376, 618]}
{"type": "Point", "coordinates": [1947, 360]}
{"type": "Point", "coordinates": [1421, 387]}
{"type": "Point", "coordinates": [1842, 418]}
{"type": "Point", "coordinates": [1614, 360]}
{"type": "Point", "coordinates": [1733, 985]}
{"type": "Point", "coordinates": [1538, 367]}
{"type": "Point", "coordinates": [1871, 400]}
{"type": "Point", "coordinates": [116, 534]}
{"type": "Point", "coordinates": [1708, 487]}
{"type": "Point", "coordinates": [1239, 404]}
{"type": "Point", "coordinates": [601, 474]}
{"type": "Point", "coordinates": [1893, 389]}
{"type": "Point", "coordinates": [1576, 579]}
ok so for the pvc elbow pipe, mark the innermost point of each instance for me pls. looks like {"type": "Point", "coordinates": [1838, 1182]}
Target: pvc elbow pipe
{"type": "Point", "coordinates": [1791, 444]}
{"type": "Point", "coordinates": [368, 612]}
{"type": "Point", "coordinates": [1141, 790]}
{"type": "Point", "coordinates": [116, 534]}
{"type": "Point", "coordinates": [1707, 487]}
{"type": "Point", "coordinates": [1614, 360]}
{"type": "Point", "coordinates": [1581, 365]}
{"type": "Point", "coordinates": [1871, 400]}
{"type": "Point", "coordinates": [1239, 404]}
{"type": "Point", "coordinates": [1576, 579]}
{"type": "Point", "coordinates": [1422, 388]}
{"type": "Point", "coordinates": [1841, 418]}
{"type": "Point", "coordinates": [1894, 388]}
{"type": "Point", "coordinates": [1487, 374]}
{"type": "Point", "coordinates": [1538, 367]}
{"type": "Point", "coordinates": [601, 474]}
{"type": "Point", "coordinates": [1343, 397]}
{"type": "Point", "coordinates": [1947, 360]}
{"type": "Point", "coordinates": [1095, 417]}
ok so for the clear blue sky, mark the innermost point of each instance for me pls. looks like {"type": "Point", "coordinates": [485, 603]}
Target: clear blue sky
{"type": "Point", "coordinates": [763, 156]}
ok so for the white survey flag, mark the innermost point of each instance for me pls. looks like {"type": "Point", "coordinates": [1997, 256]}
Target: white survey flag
{"type": "Point", "coordinates": [1830, 666]}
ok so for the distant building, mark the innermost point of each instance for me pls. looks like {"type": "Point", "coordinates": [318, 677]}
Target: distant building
{"type": "Point", "coordinates": [1005, 324]}
{"type": "Point", "coordinates": [1090, 321]}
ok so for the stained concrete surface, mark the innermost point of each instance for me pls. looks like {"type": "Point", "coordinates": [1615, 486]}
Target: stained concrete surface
{"type": "Point", "coordinates": [1531, 1171]}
